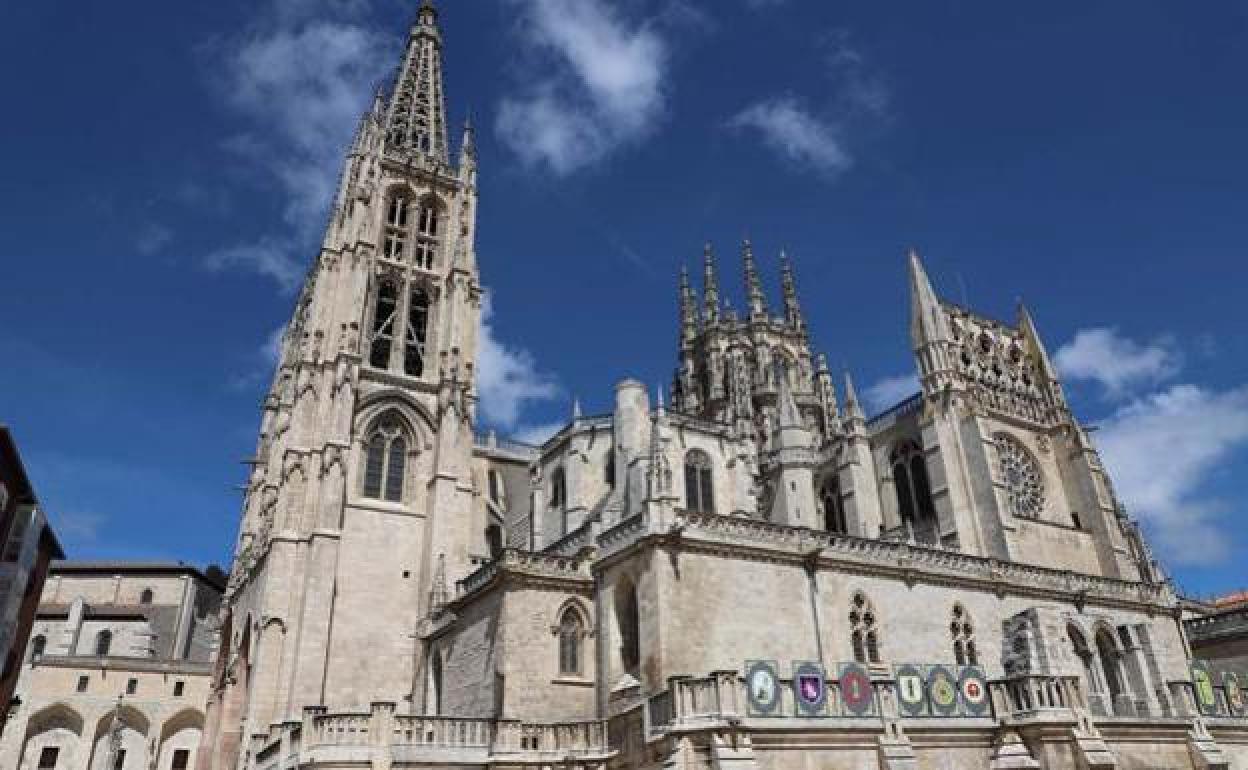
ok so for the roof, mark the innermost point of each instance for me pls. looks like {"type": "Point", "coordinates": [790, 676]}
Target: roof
{"type": "Point", "coordinates": [131, 568]}
{"type": "Point", "coordinates": [21, 488]}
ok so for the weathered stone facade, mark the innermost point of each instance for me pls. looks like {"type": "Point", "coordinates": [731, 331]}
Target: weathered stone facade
{"type": "Point", "coordinates": [118, 672]}
{"type": "Point", "coordinates": [407, 593]}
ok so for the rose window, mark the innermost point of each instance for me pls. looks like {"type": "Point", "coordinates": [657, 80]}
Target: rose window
{"type": "Point", "coordinates": [1024, 484]}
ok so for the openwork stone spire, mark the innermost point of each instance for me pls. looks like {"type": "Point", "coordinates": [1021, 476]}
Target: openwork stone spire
{"type": "Point", "coordinates": [792, 310]}
{"type": "Point", "coordinates": [710, 286]}
{"type": "Point", "coordinates": [416, 120]}
{"type": "Point", "coordinates": [688, 311]}
{"type": "Point", "coordinates": [753, 286]}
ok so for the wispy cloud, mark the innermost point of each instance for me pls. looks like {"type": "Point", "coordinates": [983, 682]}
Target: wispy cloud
{"type": "Point", "coordinates": [1117, 363]}
{"type": "Point", "coordinates": [595, 83]}
{"type": "Point", "coordinates": [260, 362]}
{"type": "Point", "coordinates": [1161, 450]}
{"type": "Point", "coordinates": [78, 526]}
{"type": "Point", "coordinates": [508, 378]}
{"type": "Point", "coordinates": [890, 391]}
{"type": "Point", "coordinates": [815, 137]}
{"type": "Point", "coordinates": [795, 133]}
{"type": "Point", "coordinates": [151, 238]}
{"type": "Point", "coordinates": [300, 76]}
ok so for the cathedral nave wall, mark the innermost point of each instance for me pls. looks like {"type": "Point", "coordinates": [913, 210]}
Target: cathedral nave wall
{"type": "Point", "coordinates": [461, 674]}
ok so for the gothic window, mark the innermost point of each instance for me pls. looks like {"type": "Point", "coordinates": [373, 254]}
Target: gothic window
{"type": "Point", "coordinates": [427, 235]}
{"type": "Point", "coordinates": [699, 494]}
{"type": "Point", "coordinates": [833, 506]}
{"type": "Point", "coordinates": [1108, 655]}
{"type": "Point", "coordinates": [914, 491]}
{"type": "Point", "coordinates": [37, 646]}
{"type": "Point", "coordinates": [146, 596]}
{"type": "Point", "coordinates": [570, 632]}
{"type": "Point", "coordinates": [103, 642]}
{"type": "Point", "coordinates": [964, 652]}
{"type": "Point", "coordinates": [383, 325]}
{"type": "Point", "coordinates": [385, 461]}
{"type": "Point", "coordinates": [1080, 646]}
{"type": "Point", "coordinates": [414, 338]}
{"type": "Point", "coordinates": [435, 684]}
{"type": "Point", "coordinates": [608, 472]}
{"type": "Point", "coordinates": [395, 241]}
{"type": "Point", "coordinates": [628, 620]}
{"type": "Point", "coordinates": [48, 756]}
{"type": "Point", "coordinates": [864, 635]}
{"type": "Point", "coordinates": [1020, 474]}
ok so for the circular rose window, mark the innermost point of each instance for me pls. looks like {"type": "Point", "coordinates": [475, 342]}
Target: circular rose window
{"type": "Point", "coordinates": [1024, 484]}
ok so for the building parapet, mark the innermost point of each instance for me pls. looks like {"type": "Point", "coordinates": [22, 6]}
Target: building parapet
{"type": "Point", "coordinates": [1218, 625]}
{"type": "Point", "coordinates": [527, 564]}
{"type": "Point", "coordinates": [911, 558]}
{"type": "Point", "coordinates": [326, 738]}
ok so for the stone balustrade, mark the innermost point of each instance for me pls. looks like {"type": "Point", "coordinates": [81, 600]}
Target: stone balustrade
{"type": "Point", "coordinates": [369, 737]}
{"type": "Point", "coordinates": [1032, 697]}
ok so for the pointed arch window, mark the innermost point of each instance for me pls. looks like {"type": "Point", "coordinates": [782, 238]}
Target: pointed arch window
{"type": "Point", "coordinates": [146, 596]}
{"type": "Point", "coordinates": [395, 242]}
{"type": "Point", "coordinates": [571, 631]}
{"type": "Point", "coordinates": [103, 642]}
{"type": "Point", "coordinates": [1079, 644]}
{"type": "Point", "coordinates": [914, 490]}
{"type": "Point", "coordinates": [414, 337]}
{"type": "Point", "coordinates": [863, 635]}
{"type": "Point", "coordinates": [384, 312]}
{"type": "Point", "coordinates": [963, 632]}
{"type": "Point", "coordinates": [699, 482]}
{"type": "Point", "coordinates": [834, 519]}
{"type": "Point", "coordinates": [427, 234]}
{"type": "Point", "coordinates": [37, 646]}
{"type": "Point", "coordinates": [1107, 651]}
{"type": "Point", "coordinates": [385, 461]}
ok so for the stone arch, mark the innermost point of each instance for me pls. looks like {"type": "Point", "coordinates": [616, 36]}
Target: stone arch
{"type": "Point", "coordinates": [415, 416]}
{"type": "Point", "coordinates": [571, 630]}
{"type": "Point", "coordinates": [181, 732]}
{"type": "Point", "coordinates": [58, 726]}
{"type": "Point", "coordinates": [132, 727]}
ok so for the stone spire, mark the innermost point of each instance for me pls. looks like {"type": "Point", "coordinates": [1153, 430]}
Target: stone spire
{"type": "Point", "coordinates": [853, 409]}
{"type": "Point", "coordinates": [417, 117]}
{"type": "Point", "coordinates": [927, 319]}
{"type": "Point", "coordinates": [792, 310]}
{"type": "Point", "coordinates": [710, 286]}
{"type": "Point", "coordinates": [753, 286]}
{"type": "Point", "coordinates": [1027, 328]}
{"type": "Point", "coordinates": [688, 311]}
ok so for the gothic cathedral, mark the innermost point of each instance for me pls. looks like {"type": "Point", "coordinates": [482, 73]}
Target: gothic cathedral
{"type": "Point", "coordinates": [754, 575]}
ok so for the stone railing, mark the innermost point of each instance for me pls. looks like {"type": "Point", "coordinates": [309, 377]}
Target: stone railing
{"type": "Point", "coordinates": [490, 440]}
{"type": "Point", "coordinates": [441, 731]}
{"type": "Point", "coordinates": [1024, 577]}
{"type": "Point", "coordinates": [571, 543]}
{"type": "Point", "coordinates": [357, 738]}
{"type": "Point", "coordinates": [1034, 697]}
{"type": "Point", "coordinates": [531, 563]}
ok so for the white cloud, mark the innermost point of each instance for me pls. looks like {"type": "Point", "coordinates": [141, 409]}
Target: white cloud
{"type": "Point", "coordinates": [1102, 355]}
{"type": "Point", "coordinates": [596, 84]}
{"type": "Point", "coordinates": [261, 362]}
{"type": "Point", "coordinates": [815, 138]}
{"type": "Point", "coordinates": [300, 77]}
{"type": "Point", "coordinates": [792, 131]}
{"type": "Point", "coordinates": [1161, 451]}
{"type": "Point", "coordinates": [508, 379]}
{"type": "Point", "coordinates": [267, 257]}
{"type": "Point", "coordinates": [890, 391]}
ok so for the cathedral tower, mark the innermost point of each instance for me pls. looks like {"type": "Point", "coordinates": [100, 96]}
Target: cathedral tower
{"type": "Point", "coordinates": [358, 511]}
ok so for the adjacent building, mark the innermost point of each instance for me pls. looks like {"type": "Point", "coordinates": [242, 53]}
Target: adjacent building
{"type": "Point", "coordinates": [118, 669]}
{"type": "Point", "coordinates": [749, 573]}
{"type": "Point", "coordinates": [28, 547]}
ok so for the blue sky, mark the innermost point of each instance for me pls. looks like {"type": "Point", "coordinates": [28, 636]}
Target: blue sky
{"type": "Point", "coordinates": [166, 168]}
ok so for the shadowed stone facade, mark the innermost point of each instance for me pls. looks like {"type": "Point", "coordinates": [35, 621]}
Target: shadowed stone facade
{"type": "Point", "coordinates": [647, 587]}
